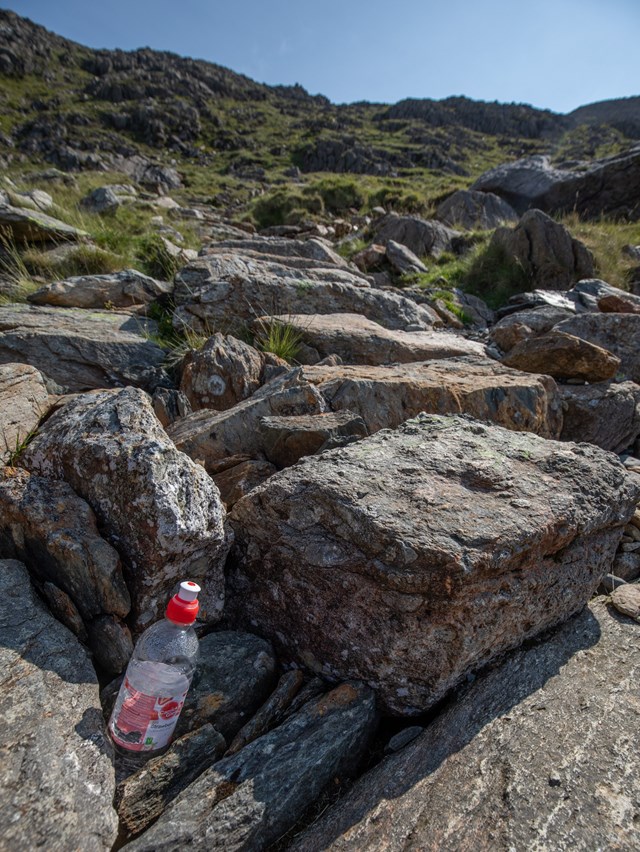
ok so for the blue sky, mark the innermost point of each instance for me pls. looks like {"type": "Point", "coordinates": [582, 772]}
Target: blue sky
{"type": "Point", "coordinates": [557, 54]}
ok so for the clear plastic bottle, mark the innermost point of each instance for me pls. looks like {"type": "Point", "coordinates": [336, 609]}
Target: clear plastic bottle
{"type": "Point", "coordinates": [158, 677]}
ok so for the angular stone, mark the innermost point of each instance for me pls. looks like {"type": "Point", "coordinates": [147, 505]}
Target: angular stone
{"type": "Point", "coordinates": [57, 775]}
{"type": "Point", "coordinates": [467, 208]}
{"type": "Point", "coordinates": [236, 672]}
{"type": "Point", "coordinates": [161, 510]}
{"type": "Point", "coordinates": [124, 289]}
{"type": "Point", "coordinates": [224, 372]}
{"type": "Point", "coordinates": [80, 349]}
{"type": "Point", "coordinates": [64, 609]}
{"type": "Point", "coordinates": [249, 800]}
{"type": "Point", "coordinates": [626, 599]}
{"type": "Point", "coordinates": [236, 481]}
{"type": "Point", "coordinates": [143, 796]}
{"type": "Point", "coordinates": [563, 356]}
{"type": "Point", "coordinates": [320, 252]}
{"type": "Point", "coordinates": [386, 396]}
{"type": "Point", "coordinates": [224, 290]}
{"type": "Point", "coordinates": [545, 250]}
{"type": "Point", "coordinates": [605, 414]}
{"type": "Point", "coordinates": [288, 439]}
{"type": "Point", "coordinates": [537, 754]}
{"type": "Point", "coordinates": [415, 557]}
{"type": "Point", "coordinates": [422, 236]}
{"type": "Point", "coordinates": [33, 226]}
{"type": "Point", "coordinates": [402, 259]}
{"type": "Point", "coordinates": [370, 258]}
{"type": "Point", "coordinates": [358, 340]}
{"type": "Point", "coordinates": [521, 325]}
{"type": "Point", "coordinates": [211, 436]}
{"type": "Point", "coordinates": [618, 333]}
{"type": "Point", "coordinates": [170, 405]}
{"type": "Point", "coordinates": [23, 401]}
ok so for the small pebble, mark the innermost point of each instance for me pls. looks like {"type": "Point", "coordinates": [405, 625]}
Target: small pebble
{"type": "Point", "coordinates": [626, 600]}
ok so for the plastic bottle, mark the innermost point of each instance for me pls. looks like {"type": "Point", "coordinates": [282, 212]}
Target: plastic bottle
{"type": "Point", "coordinates": [158, 677]}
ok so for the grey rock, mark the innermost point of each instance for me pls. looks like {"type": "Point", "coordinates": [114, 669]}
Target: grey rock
{"type": "Point", "coordinates": [537, 754]}
{"type": "Point", "coordinates": [170, 405]}
{"type": "Point", "coordinates": [618, 333]}
{"type": "Point", "coordinates": [626, 566]}
{"type": "Point", "coordinates": [545, 251]}
{"type": "Point", "coordinates": [23, 401]}
{"type": "Point", "coordinates": [80, 349]}
{"type": "Point", "coordinates": [249, 800]}
{"type": "Point", "coordinates": [605, 414]}
{"type": "Point", "coordinates": [160, 509]}
{"type": "Point", "coordinates": [124, 289]}
{"type": "Point", "coordinates": [422, 236]}
{"type": "Point", "coordinates": [235, 674]}
{"type": "Point", "coordinates": [34, 226]}
{"type": "Point", "coordinates": [288, 439]}
{"type": "Point", "coordinates": [402, 259]}
{"type": "Point", "coordinates": [414, 557]}
{"type": "Point", "coordinates": [319, 251]}
{"type": "Point", "coordinates": [467, 208]}
{"type": "Point", "coordinates": [101, 200]}
{"type": "Point", "coordinates": [57, 777]}
{"type": "Point", "coordinates": [403, 738]}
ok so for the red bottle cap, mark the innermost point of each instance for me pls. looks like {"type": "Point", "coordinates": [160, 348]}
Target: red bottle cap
{"type": "Point", "coordinates": [183, 607]}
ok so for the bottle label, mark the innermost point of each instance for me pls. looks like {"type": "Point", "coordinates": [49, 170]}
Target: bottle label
{"type": "Point", "coordinates": [144, 722]}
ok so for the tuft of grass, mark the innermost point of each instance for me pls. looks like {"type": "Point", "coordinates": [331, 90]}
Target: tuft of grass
{"type": "Point", "coordinates": [20, 445]}
{"type": "Point", "coordinates": [350, 247]}
{"type": "Point", "coordinates": [280, 338]}
{"type": "Point", "coordinates": [82, 259]}
{"type": "Point", "coordinates": [12, 268]}
{"type": "Point", "coordinates": [155, 258]}
{"type": "Point", "coordinates": [605, 238]}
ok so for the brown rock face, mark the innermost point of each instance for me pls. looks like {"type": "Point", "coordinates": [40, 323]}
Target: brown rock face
{"type": "Point", "coordinates": [237, 481]}
{"type": "Point", "coordinates": [23, 401]}
{"type": "Point", "coordinates": [288, 439]}
{"type": "Point", "coordinates": [618, 333]}
{"type": "Point", "coordinates": [358, 340]}
{"type": "Point", "coordinates": [539, 753]}
{"type": "Point", "coordinates": [563, 356]}
{"type": "Point", "coordinates": [605, 414]}
{"type": "Point", "coordinates": [527, 323]}
{"type": "Point", "coordinates": [386, 396]}
{"type": "Point", "coordinates": [414, 557]}
{"type": "Point", "coordinates": [160, 509]}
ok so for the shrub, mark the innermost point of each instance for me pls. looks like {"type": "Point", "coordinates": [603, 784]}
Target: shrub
{"type": "Point", "coordinates": [339, 194]}
{"type": "Point", "coordinates": [280, 338]}
{"type": "Point", "coordinates": [276, 208]}
{"type": "Point", "coordinates": [155, 258]}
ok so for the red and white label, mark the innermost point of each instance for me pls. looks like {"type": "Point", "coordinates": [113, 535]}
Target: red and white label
{"type": "Point", "coordinates": [144, 722]}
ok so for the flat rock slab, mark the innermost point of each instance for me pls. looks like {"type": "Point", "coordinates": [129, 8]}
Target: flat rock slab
{"type": "Point", "coordinates": [416, 556]}
{"type": "Point", "coordinates": [618, 333]}
{"type": "Point", "coordinates": [540, 753]}
{"type": "Point", "coordinates": [123, 289]}
{"type": "Point", "coordinates": [28, 226]}
{"type": "Point", "coordinates": [23, 401]}
{"type": "Point", "coordinates": [288, 439]}
{"type": "Point", "coordinates": [249, 800]}
{"type": "Point", "coordinates": [386, 396]}
{"type": "Point", "coordinates": [81, 350]}
{"type": "Point", "coordinates": [358, 340]}
{"type": "Point", "coordinates": [605, 414]}
{"type": "Point", "coordinates": [227, 289]}
{"type": "Point", "coordinates": [57, 776]}
{"type": "Point", "coordinates": [563, 356]}
{"type": "Point", "coordinates": [161, 511]}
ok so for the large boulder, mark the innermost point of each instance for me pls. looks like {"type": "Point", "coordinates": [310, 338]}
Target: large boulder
{"type": "Point", "coordinates": [249, 800]}
{"type": "Point", "coordinates": [80, 349]}
{"type": "Point", "coordinates": [23, 401]}
{"type": "Point", "coordinates": [225, 289]}
{"type": "Point", "coordinates": [58, 779]}
{"type": "Point", "coordinates": [358, 340]}
{"type": "Point", "coordinates": [545, 251]}
{"type": "Point", "coordinates": [563, 356]}
{"type": "Point", "coordinates": [524, 324]}
{"type": "Point", "coordinates": [421, 236]}
{"type": "Point", "coordinates": [33, 226]}
{"type": "Point", "coordinates": [467, 208]}
{"type": "Point", "coordinates": [161, 511]}
{"type": "Point", "coordinates": [319, 252]}
{"type": "Point", "coordinates": [539, 753]}
{"type": "Point", "coordinates": [386, 396]}
{"type": "Point", "coordinates": [412, 558]}
{"type": "Point", "coordinates": [124, 289]}
{"type": "Point", "coordinates": [617, 333]}
{"type": "Point", "coordinates": [605, 414]}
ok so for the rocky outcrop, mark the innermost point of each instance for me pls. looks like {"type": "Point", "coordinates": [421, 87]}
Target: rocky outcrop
{"type": "Point", "coordinates": [605, 414]}
{"type": "Point", "coordinates": [212, 437]}
{"type": "Point", "coordinates": [44, 524]}
{"type": "Point", "coordinates": [537, 754]}
{"type": "Point", "coordinates": [617, 333]}
{"type": "Point", "coordinates": [57, 775]}
{"type": "Point", "coordinates": [413, 558]}
{"type": "Point", "coordinates": [161, 511]}
{"type": "Point", "coordinates": [609, 186]}
{"type": "Point", "coordinates": [227, 289]}
{"type": "Point", "coordinates": [124, 289]}
{"type": "Point", "coordinates": [545, 251]}
{"type": "Point", "coordinates": [563, 356]}
{"type": "Point", "coordinates": [81, 350]}
{"type": "Point", "coordinates": [386, 396]}
{"type": "Point", "coordinates": [33, 226]}
{"type": "Point", "coordinates": [469, 209]}
{"type": "Point", "coordinates": [422, 236]}
{"type": "Point", "coordinates": [288, 439]}
{"type": "Point", "coordinates": [358, 340]}
{"type": "Point", "coordinates": [249, 800]}
{"type": "Point", "coordinates": [23, 401]}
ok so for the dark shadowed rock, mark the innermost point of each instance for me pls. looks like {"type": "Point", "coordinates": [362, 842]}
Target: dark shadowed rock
{"type": "Point", "coordinates": [160, 509]}
{"type": "Point", "coordinates": [467, 208]}
{"type": "Point", "coordinates": [170, 405]}
{"type": "Point", "coordinates": [416, 556]}
{"type": "Point", "coordinates": [249, 800]}
{"type": "Point", "coordinates": [545, 251]}
{"type": "Point", "coordinates": [23, 401]}
{"type": "Point", "coordinates": [563, 356]}
{"type": "Point", "coordinates": [117, 290]}
{"type": "Point", "coordinates": [57, 776]}
{"type": "Point", "coordinates": [421, 236]}
{"type": "Point", "coordinates": [288, 439]}
{"type": "Point", "coordinates": [386, 396]}
{"type": "Point", "coordinates": [236, 481]}
{"type": "Point", "coordinates": [618, 333]}
{"type": "Point", "coordinates": [82, 349]}
{"type": "Point", "coordinates": [537, 754]}
{"type": "Point", "coordinates": [605, 414]}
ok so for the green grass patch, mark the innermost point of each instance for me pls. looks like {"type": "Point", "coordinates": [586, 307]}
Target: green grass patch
{"type": "Point", "coordinates": [279, 338]}
{"type": "Point", "coordinates": [605, 238]}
